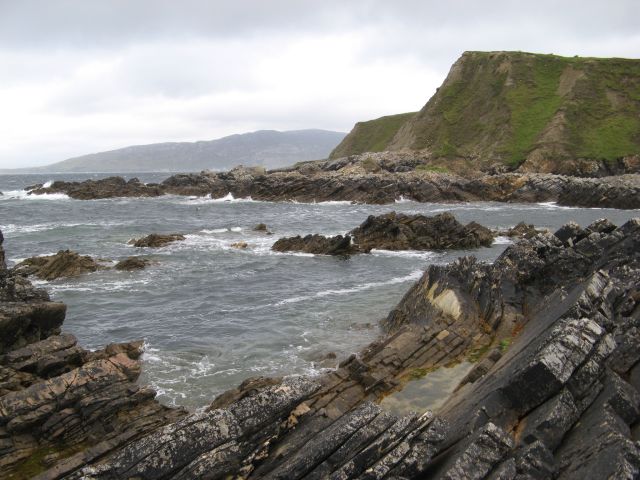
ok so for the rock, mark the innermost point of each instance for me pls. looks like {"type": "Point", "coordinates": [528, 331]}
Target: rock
{"type": "Point", "coordinates": [132, 263]}
{"type": "Point", "coordinates": [394, 175]}
{"type": "Point", "coordinates": [3, 265]}
{"type": "Point", "coordinates": [561, 401]}
{"type": "Point", "coordinates": [95, 189]}
{"type": "Point", "coordinates": [522, 230]}
{"type": "Point", "coordinates": [260, 227]}
{"type": "Point", "coordinates": [394, 232]}
{"type": "Point", "coordinates": [417, 232]}
{"type": "Point", "coordinates": [157, 240]}
{"type": "Point", "coordinates": [316, 244]}
{"type": "Point", "coordinates": [240, 245]}
{"type": "Point", "coordinates": [63, 264]}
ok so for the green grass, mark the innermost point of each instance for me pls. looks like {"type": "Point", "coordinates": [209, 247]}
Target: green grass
{"type": "Point", "coordinates": [371, 136]}
{"type": "Point", "coordinates": [432, 168]}
{"type": "Point", "coordinates": [496, 106]}
{"type": "Point", "coordinates": [532, 102]}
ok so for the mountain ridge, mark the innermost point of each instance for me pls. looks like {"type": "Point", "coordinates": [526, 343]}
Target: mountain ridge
{"type": "Point", "coordinates": [268, 148]}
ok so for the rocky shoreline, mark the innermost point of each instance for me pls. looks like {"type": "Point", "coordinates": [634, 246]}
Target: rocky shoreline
{"type": "Point", "coordinates": [551, 328]}
{"type": "Point", "coordinates": [369, 178]}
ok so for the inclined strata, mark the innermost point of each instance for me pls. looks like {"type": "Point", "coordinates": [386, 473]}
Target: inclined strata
{"type": "Point", "coordinates": [552, 325]}
{"type": "Point", "coordinates": [353, 179]}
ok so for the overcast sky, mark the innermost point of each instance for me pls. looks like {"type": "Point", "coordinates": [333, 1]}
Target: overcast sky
{"type": "Point", "coordinates": [81, 76]}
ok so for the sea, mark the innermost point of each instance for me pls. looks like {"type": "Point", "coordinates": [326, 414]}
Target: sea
{"type": "Point", "coordinates": [212, 315]}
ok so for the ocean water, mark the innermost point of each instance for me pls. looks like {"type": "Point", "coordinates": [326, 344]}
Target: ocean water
{"type": "Point", "coordinates": [212, 315]}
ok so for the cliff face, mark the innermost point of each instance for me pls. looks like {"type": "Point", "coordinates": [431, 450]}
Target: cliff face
{"type": "Point", "coordinates": [522, 109]}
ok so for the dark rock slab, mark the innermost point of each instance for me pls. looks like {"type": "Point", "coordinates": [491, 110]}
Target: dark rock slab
{"type": "Point", "coordinates": [156, 240]}
{"type": "Point", "coordinates": [63, 264]}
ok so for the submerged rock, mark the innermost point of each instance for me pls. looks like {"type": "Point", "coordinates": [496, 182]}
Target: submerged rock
{"type": "Point", "coordinates": [240, 245]}
{"type": "Point", "coordinates": [156, 240]}
{"type": "Point", "coordinates": [63, 264]}
{"type": "Point", "coordinates": [132, 263]}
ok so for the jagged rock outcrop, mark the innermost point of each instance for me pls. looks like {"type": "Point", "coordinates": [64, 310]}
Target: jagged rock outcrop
{"type": "Point", "coordinates": [63, 264]}
{"type": "Point", "coordinates": [157, 240]}
{"type": "Point", "coordinates": [396, 175]}
{"type": "Point", "coordinates": [317, 244]}
{"type": "Point", "coordinates": [103, 188]}
{"type": "Point", "coordinates": [521, 230]}
{"type": "Point", "coordinates": [552, 326]}
{"type": "Point", "coordinates": [394, 231]}
{"type": "Point", "coordinates": [62, 406]}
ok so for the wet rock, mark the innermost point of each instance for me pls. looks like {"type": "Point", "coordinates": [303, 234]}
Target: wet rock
{"type": "Point", "coordinates": [522, 230]}
{"type": "Point", "coordinates": [132, 263]}
{"type": "Point", "coordinates": [63, 264]}
{"type": "Point", "coordinates": [416, 232]}
{"type": "Point", "coordinates": [260, 227]}
{"type": "Point", "coordinates": [95, 189]}
{"type": "Point", "coordinates": [240, 245]}
{"type": "Point", "coordinates": [316, 244]}
{"type": "Point", "coordinates": [478, 455]}
{"type": "Point", "coordinates": [157, 240]}
{"type": "Point", "coordinates": [394, 232]}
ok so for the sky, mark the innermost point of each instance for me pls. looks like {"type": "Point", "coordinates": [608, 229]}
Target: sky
{"type": "Point", "coordinates": [82, 76]}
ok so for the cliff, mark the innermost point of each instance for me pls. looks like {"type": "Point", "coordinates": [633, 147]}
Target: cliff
{"type": "Point", "coordinates": [542, 113]}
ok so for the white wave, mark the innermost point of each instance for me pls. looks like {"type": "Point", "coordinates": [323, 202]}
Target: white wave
{"type": "Point", "coordinates": [413, 276]}
{"type": "Point", "coordinates": [236, 229]}
{"type": "Point", "coordinates": [215, 230]}
{"type": "Point", "coordinates": [40, 227]}
{"type": "Point", "coordinates": [230, 198]}
{"type": "Point", "coordinates": [501, 240]}
{"type": "Point", "coordinates": [402, 199]}
{"type": "Point", "coordinates": [24, 195]}
{"type": "Point", "coordinates": [404, 253]}
{"type": "Point", "coordinates": [47, 184]}
{"type": "Point", "coordinates": [555, 206]}
{"type": "Point", "coordinates": [97, 286]}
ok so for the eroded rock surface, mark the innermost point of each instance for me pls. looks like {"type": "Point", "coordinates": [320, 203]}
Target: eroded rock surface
{"type": "Point", "coordinates": [62, 406]}
{"type": "Point", "coordinates": [552, 326]}
{"type": "Point", "coordinates": [132, 263]}
{"type": "Point", "coordinates": [389, 177]}
{"type": "Point", "coordinates": [157, 240]}
{"type": "Point", "coordinates": [394, 231]}
{"type": "Point", "coordinates": [63, 264]}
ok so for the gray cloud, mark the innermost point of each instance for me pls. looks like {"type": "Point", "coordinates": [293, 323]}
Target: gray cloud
{"type": "Point", "coordinates": [88, 75]}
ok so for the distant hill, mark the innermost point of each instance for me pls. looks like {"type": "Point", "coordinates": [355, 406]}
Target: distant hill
{"type": "Point", "coordinates": [518, 109]}
{"type": "Point", "coordinates": [269, 148]}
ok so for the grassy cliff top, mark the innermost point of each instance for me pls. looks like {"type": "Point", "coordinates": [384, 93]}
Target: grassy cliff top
{"type": "Point", "coordinates": [372, 136]}
{"type": "Point", "coordinates": [515, 107]}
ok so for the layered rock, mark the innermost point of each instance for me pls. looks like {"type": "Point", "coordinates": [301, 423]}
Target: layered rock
{"type": "Point", "coordinates": [62, 406]}
{"type": "Point", "coordinates": [157, 240]}
{"type": "Point", "coordinates": [103, 188]}
{"type": "Point", "coordinates": [63, 264]}
{"type": "Point", "coordinates": [552, 327]}
{"type": "Point", "coordinates": [394, 231]}
{"type": "Point", "coordinates": [373, 178]}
